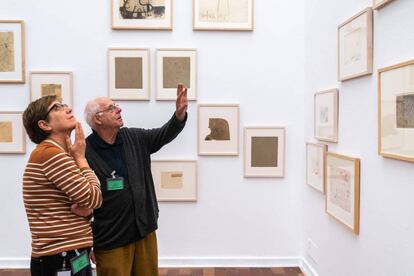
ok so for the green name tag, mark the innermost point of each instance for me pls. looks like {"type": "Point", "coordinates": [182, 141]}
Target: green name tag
{"type": "Point", "coordinates": [114, 184]}
{"type": "Point", "coordinates": [79, 262]}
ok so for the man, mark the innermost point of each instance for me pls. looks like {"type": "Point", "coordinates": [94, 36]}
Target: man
{"type": "Point", "coordinates": [124, 227]}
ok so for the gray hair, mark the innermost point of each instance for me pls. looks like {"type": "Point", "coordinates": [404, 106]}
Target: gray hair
{"type": "Point", "coordinates": [91, 108]}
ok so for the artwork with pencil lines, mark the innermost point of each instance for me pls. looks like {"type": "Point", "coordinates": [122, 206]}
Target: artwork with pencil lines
{"type": "Point", "coordinates": [50, 89]}
{"type": "Point", "coordinates": [6, 52]}
{"type": "Point", "coordinates": [232, 11]}
{"type": "Point", "coordinates": [141, 9]}
{"type": "Point", "coordinates": [405, 111]}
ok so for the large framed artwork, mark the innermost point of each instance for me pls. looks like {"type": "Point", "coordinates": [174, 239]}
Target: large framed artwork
{"type": "Point", "coordinates": [176, 66]}
{"type": "Point", "coordinates": [175, 180]}
{"type": "Point", "coordinates": [218, 129]}
{"type": "Point", "coordinates": [129, 74]}
{"type": "Point", "coordinates": [12, 51]}
{"type": "Point", "coordinates": [342, 189]}
{"type": "Point", "coordinates": [396, 111]}
{"type": "Point", "coordinates": [12, 134]}
{"type": "Point", "coordinates": [264, 151]}
{"type": "Point", "coordinates": [355, 46]}
{"type": "Point", "coordinates": [326, 115]}
{"type": "Point", "coordinates": [46, 83]}
{"type": "Point", "coordinates": [377, 4]}
{"type": "Point", "coordinates": [315, 165]}
{"type": "Point", "coordinates": [142, 14]}
{"type": "Point", "coordinates": [223, 15]}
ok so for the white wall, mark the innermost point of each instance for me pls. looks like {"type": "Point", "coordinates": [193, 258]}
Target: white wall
{"type": "Point", "coordinates": [385, 243]}
{"type": "Point", "coordinates": [261, 70]}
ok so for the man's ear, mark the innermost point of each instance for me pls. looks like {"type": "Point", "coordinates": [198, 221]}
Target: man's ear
{"type": "Point", "coordinates": [97, 119]}
{"type": "Point", "coordinates": [44, 125]}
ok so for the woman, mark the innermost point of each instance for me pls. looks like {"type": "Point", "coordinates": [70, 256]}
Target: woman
{"type": "Point", "coordinates": [58, 179]}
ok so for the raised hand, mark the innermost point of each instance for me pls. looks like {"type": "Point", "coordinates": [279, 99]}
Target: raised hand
{"type": "Point", "coordinates": [77, 149]}
{"type": "Point", "coordinates": [181, 103]}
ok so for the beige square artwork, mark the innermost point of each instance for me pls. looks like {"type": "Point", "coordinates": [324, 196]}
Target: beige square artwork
{"type": "Point", "coordinates": [176, 70]}
{"type": "Point", "coordinates": [51, 89]}
{"type": "Point", "coordinates": [172, 180]}
{"type": "Point", "coordinates": [6, 52]}
{"type": "Point", "coordinates": [128, 73]}
{"type": "Point", "coordinates": [264, 151]}
{"type": "Point", "coordinates": [6, 132]}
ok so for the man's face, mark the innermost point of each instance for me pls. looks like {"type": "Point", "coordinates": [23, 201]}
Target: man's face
{"type": "Point", "coordinates": [109, 115]}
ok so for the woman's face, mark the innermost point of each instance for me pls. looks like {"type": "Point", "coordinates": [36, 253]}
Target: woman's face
{"type": "Point", "coordinates": [60, 117]}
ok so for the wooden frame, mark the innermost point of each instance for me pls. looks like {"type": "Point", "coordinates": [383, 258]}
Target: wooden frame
{"type": "Point", "coordinates": [342, 189]}
{"type": "Point", "coordinates": [211, 20]}
{"type": "Point", "coordinates": [145, 17]}
{"type": "Point", "coordinates": [12, 133]}
{"type": "Point", "coordinates": [315, 165]}
{"type": "Point", "coordinates": [12, 59]}
{"type": "Point", "coordinates": [355, 43]}
{"type": "Point", "coordinates": [264, 151]}
{"type": "Point", "coordinates": [129, 73]}
{"type": "Point", "coordinates": [218, 129]}
{"type": "Point", "coordinates": [395, 111]}
{"type": "Point", "coordinates": [377, 4]}
{"type": "Point", "coordinates": [326, 115]}
{"type": "Point", "coordinates": [175, 180]}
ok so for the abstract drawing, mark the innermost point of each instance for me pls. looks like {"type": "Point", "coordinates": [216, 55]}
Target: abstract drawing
{"type": "Point", "coordinates": [6, 132]}
{"type": "Point", "coordinates": [128, 73]}
{"type": "Point", "coordinates": [172, 180]}
{"type": "Point", "coordinates": [264, 151]}
{"type": "Point", "coordinates": [405, 111]}
{"type": "Point", "coordinates": [176, 70]}
{"type": "Point", "coordinates": [6, 52]}
{"type": "Point", "coordinates": [219, 130]}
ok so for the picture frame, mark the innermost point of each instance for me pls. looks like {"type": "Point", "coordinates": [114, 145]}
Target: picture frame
{"type": "Point", "coordinates": [342, 175]}
{"type": "Point", "coordinates": [175, 180]}
{"type": "Point", "coordinates": [355, 46]}
{"type": "Point", "coordinates": [218, 129]}
{"type": "Point", "coordinates": [377, 4]}
{"type": "Point", "coordinates": [176, 66]}
{"type": "Point", "coordinates": [326, 115]}
{"type": "Point", "coordinates": [12, 133]}
{"type": "Point", "coordinates": [264, 151]}
{"type": "Point", "coordinates": [59, 83]}
{"type": "Point", "coordinates": [12, 51]}
{"type": "Point", "coordinates": [151, 15]}
{"type": "Point", "coordinates": [129, 74]}
{"type": "Point", "coordinates": [223, 15]}
{"type": "Point", "coordinates": [315, 165]}
{"type": "Point", "coordinates": [395, 111]}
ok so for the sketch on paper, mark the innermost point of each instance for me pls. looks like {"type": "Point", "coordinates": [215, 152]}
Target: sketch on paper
{"type": "Point", "coordinates": [223, 11]}
{"type": "Point", "coordinates": [6, 52]}
{"type": "Point", "coordinates": [51, 89]}
{"type": "Point", "coordinates": [315, 165]}
{"type": "Point", "coordinates": [128, 73]}
{"type": "Point", "coordinates": [340, 188]}
{"type": "Point", "coordinates": [324, 114]}
{"type": "Point", "coordinates": [176, 70]}
{"type": "Point", "coordinates": [172, 180]}
{"type": "Point", "coordinates": [353, 46]}
{"type": "Point", "coordinates": [6, 132]}
{"type": "Point", "coordinates": [405, 111]}
{"type": "Point", "coordinates": [264, 151]}
{"type": "Point", "coordinates": [219, 130]}
{"type": "Point", "coordinates": [141, 9]}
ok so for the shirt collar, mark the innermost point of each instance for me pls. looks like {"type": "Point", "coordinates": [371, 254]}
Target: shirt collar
{"type": "Point", "coordinates": [101, 143]}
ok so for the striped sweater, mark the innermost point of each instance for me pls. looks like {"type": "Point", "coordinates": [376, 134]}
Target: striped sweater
{"type": "Point", "coordinates": [52, 182]}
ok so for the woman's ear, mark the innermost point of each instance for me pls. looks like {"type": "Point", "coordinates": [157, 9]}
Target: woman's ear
{"type": "Point", "coordinates": [44, 126]}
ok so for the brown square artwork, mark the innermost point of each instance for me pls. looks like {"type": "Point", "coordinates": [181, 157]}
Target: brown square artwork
{"type": "Point", "coordinates": [264, 151]}
{"type": "Point", "coordinates": [128, 73]}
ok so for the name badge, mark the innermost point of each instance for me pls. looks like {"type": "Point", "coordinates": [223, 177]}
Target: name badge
{"type": "Point", "coordinates": [114, 184]}
{"type": "Point", "coordinates": [63, 273]}
{"type": "Point", "coordinates": [79, 262]}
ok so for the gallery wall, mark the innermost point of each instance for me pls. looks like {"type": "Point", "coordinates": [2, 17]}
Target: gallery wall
{"type": "Point", "coordinates": [385, 242]}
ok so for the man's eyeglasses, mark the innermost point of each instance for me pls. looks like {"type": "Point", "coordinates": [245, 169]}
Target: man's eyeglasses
{"type": "Point", "coordinates": [56, 107]}
{"type": "Point", "coordinates": [111, 108]}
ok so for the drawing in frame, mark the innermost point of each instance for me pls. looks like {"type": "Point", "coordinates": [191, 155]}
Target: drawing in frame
{"type": "Point", "coordinates": [396, 111]}
{"type": "Point", "coordinates": [264, 151]}
{"type": "Point", "coordinates": [46, 83]}
{"type": "Point", "coordinates": [148, 15]}
{"type": "Point", "coordinates": [342, 189]}
{"type": "Point", "coordinates": [377, 4]}
{"type": "Point", "coordinates": [315, 165]}
{"type": "Point", "coordinates": [12, 134]}
{"type": "Point", "coordinates": [223, 15]}
{"type": "Point", "coordinates": [12, 51]}
{"type": "Point", "coordinates": [175, 180]}
{"type": "Point", "coordinates": [176, 66]}
{"type": "Point", "coordinates": [218, 129]}
{"type": "Point", "coordinates": [355, 45]}
{"type": "Point", "coordinates": [129, 74]}
{"type": "Point", "coordinates": [326, 115]}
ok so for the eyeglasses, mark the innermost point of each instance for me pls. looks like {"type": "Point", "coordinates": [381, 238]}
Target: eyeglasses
{"type": "Point", "coordinates": [111, 108]}
{"type": "Point", "coordinates": [56, 107]}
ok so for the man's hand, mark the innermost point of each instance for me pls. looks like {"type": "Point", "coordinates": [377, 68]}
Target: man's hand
{"type": "Point", "coordinates": [182, 102]}
{"type": "Point", "coordinates": [80, 211]}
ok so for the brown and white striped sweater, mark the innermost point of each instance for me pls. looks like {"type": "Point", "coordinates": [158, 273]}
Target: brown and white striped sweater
{"type": "Point", "coordinates": [52, 182]}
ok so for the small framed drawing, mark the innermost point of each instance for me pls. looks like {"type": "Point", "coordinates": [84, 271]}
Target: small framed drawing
{"type": "Point", "coordinates": [326, 115]}
{"type": "Point", "coordinates": [175, 180]}
{"type": "Point", "coordinates": [142, 15]}
{"type": "Point", "coordinates": [56, 83]}
{"type": "Point", "coordinates": [377, 4]}
{"type": "Point", "coordinates": [218, 129]}
{"type": "Point", "coordinates": [12, 51]}
{"type": "Point", "coordinates": [396, 111]}
{"type": "Point", "coordinates": [176, 66]}
{"type": "Point", "coordinates": [12, 135]}
{"type": "Point", "coordinates": [223, 15]}
{"type": "Point", "coordinates": [129, 74]}
{"type": "Point", "coordinates": [264, 151]}
{"type": "Point", "coordinates": [355, 46]}
{"type": "Point", "coordinates": [315, 164]}
{"type": "Point", "coordinates": [342, 189]}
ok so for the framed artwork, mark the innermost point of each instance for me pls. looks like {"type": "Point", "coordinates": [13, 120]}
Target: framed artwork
{"type": "Point", "coordinates": [355, 46]}
{"type": "Point", "coordinates": [129, 74]}
{"type": "Point", "coordinates": [12, 134]}
{"type": "Point", "coordinates": [175, 180]}
{"type": "Point", "coordinates": [45, 83]}
{"type": "Point", "coordinates": [396, 111]}
{"type": "Point", "coordinates": [223, 15]}
{"type": "Point", "coordinates": [377, 4]}
{"type": "Point", "coordinates": [176, 66]}
{"type": "Point", "coordinates": [315, 165]}
{"type": "Point", "coordinates": [142, 15]}
{"type": "Point", "coordinates": [342, 189]}
{"type": "Point", "coordinates": [264, 151]}
{"type": "Point", "coordinates": [12, 51]}
{"type": "Point", "coordinates": [326, 115]}
{"type": "Point", "coordinates": [218, 129]}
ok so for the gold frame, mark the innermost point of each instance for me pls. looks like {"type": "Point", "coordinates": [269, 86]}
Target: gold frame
{"type": "Point", "coordinates": [23, 55]}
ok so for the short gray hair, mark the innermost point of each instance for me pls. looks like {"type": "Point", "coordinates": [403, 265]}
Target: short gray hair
{"type": "Point", "coordinates": [91, 108]}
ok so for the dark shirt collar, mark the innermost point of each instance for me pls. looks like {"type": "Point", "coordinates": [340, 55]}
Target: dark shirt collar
{"type": "Point", "coordinates": [101, 143]}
